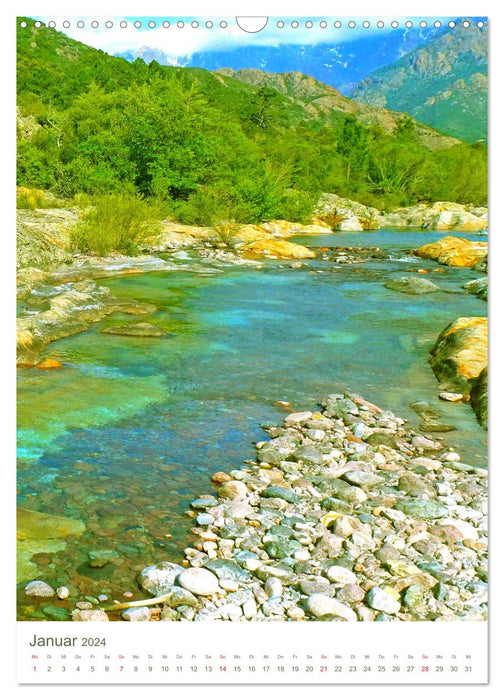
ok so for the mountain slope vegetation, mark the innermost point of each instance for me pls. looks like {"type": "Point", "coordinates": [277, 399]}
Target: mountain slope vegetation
{"type": "Point", "coordinates": [211, 146]}
{"type": "Point", "coordinates": [443, 84]}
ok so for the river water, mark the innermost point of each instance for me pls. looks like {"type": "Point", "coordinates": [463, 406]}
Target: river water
{"type": "Point", "coordinates": [129, 431]}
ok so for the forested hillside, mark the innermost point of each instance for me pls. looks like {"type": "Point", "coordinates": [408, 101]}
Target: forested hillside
{"type": "Point", "coordinates": [211, 146]}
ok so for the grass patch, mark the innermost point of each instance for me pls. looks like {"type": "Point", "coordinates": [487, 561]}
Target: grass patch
{"type": "Point", "coordinates": [32, 198]}
{"type": "Point", "coordinates": [122, 223]}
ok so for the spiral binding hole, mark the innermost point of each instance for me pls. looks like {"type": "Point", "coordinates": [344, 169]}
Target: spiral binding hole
{"type": "Point", "coordinates": [280, 24]}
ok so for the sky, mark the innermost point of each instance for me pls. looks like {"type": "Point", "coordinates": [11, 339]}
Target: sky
{"type": "Point", "coordinates": [225, 33]}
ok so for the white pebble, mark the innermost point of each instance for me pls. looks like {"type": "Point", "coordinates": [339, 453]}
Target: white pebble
{"type": "Point", "coordinates": [341, 575]}
{"type": "Point", "coordinates": [228, 584]}
{"type": "Point", "coordinates": [62, 592]}
{"type": "Point", "coordinates": [249, 609]}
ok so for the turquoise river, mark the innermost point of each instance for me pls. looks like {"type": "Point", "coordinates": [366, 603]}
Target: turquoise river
{"type": "Point", "coordinates": [130, 430]}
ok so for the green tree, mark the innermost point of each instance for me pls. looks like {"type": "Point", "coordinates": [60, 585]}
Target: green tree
{"type": "Point", "coordinates": [266, 108]}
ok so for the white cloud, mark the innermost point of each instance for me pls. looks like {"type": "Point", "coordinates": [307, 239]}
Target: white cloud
{"type": "Point", "coordinates": [179, 42]}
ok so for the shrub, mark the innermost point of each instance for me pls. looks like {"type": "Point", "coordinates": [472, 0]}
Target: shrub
{"type": "Point", "coordinates": [117, 223]}
{"type": "Point", "coordinates": [298, 206]}
{"type": "Point", "coordinates": [211, 205]}
{"type": "Point", "coordinates": [225, 232]}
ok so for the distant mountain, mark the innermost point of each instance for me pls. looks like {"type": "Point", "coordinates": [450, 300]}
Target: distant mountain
{"type": "Point", "coordinates": [443, 84]}
{"type": "Point", "coordinates": [339, 65]}
{"type": "Point", "coordinates": [314, 100]}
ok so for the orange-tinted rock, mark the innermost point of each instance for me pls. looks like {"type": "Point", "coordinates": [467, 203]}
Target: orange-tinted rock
{"type": "Point", "coordinates": [370, 406]}
{"type": "Point", "coordinates": [270, 247]}
{"type": "Point", "coordinates": [457, 252]}
{"type": "Point", "coordinates": [221, 477]}
{"type": "Point", "coordinates": [461, 352]}
{"type": "Point", "coordinates": [280, 227]}
{"type": "Point", "coordinates": [49, 363]}
{"type": "Point", "coordinates": [446, 533]}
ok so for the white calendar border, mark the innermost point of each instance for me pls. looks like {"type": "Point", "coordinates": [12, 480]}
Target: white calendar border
{"type": "Point", "coordinates": [259, 7]}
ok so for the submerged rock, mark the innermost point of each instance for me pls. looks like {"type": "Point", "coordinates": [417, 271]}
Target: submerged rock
{"type": "Point", "coordinates": [34, 525]}
{"type": "Point", "coordinates": [53, 612]}
{"type": "Point", "coordinates": [41, 533]}
{"type": "Point", "coordinates": [140, 330]}
{"type": "Point", "coordinates": [478, 287]}
{"type": "Point", "coordinates": [412, 285]}
{"type": "Point", "coordinates": [39, 589]}
{"type": "Point", "coordinates": [98, 558]}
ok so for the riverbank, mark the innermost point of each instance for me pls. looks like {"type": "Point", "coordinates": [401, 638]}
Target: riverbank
{"type": "Point", "coordinates": [43, 235]}
{"type": "Point", "coordinates": [346, 514]}
{"type": "Point", "coordinates": [59, 297]}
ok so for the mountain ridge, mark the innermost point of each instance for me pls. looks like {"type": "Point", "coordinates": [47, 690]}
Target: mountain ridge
{"type": "Point", "coordinates": [443, 84]}
{"type": "Point", "coordinates": [320, 99]}
{"type": "Point", "coordinates": [339, 64]}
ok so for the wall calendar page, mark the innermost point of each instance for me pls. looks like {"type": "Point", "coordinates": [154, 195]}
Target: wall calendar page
{"type": "Point", "coordinates": [252, 349]}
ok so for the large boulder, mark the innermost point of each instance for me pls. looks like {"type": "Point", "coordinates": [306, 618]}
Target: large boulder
{"type": "Point", "coordinates": [72, 311]}
{"type": "Point", "coordinates": [346, 215]}
{"type": "Point", "coordinates": [279, 248]}
{"type": "Point", "coordinates": [43, 237]}
{"type": "Point", "coordinates": [174, 235]}
{"type": "Point", "coordinates": [440, 216]}
{"type": "Point", "coordinates": [447, 216]}
{"type": "Point", "coordinates": [461, 353]}
{"type": "Point", "coordinates": [280, 227]}
{"type": "Point", "coordinates": [454, 251]}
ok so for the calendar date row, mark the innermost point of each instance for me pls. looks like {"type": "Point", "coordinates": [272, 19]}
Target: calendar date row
{"type": "Point", "coordinates": [257, 669]}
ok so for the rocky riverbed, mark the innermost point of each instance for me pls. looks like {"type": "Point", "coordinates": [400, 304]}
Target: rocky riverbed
{"type": "Point", "coordinates": [346, 514]}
